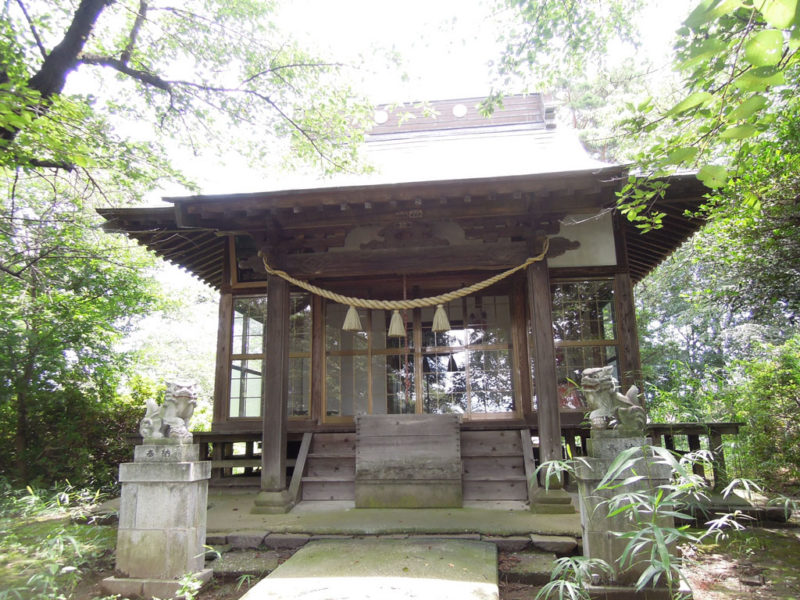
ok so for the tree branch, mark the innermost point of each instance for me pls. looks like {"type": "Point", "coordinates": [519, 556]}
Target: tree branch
{"type": "Point", "coordinates": [32, 27]}
{"type": "Point", "coordinates": [119, 65]}
{"type": "Point", "coordinates": [137, 25]}
{"type": "Point", "coordinates": [50, 79]}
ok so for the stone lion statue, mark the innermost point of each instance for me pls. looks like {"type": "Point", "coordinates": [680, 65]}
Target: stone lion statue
{"type": "Point", "coordinates": [610, 409]}
{"type": "Point", "coordinates": [171, 419]}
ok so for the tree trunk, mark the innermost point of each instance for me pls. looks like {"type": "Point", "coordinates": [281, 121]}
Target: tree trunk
{"type": "Point", "coordinates": [49, 80]}
{"type": "Point", "coordinates": [21, 436]}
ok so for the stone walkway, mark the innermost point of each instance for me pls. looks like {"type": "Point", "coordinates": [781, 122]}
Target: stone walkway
{"type": "Point", "coordinates": [230, 523]}
{"type": "Point", "coordinates": [384, 569]}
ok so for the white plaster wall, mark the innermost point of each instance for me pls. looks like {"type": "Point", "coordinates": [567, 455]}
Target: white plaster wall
{"type": "Point", "coordinates": [596, 236]}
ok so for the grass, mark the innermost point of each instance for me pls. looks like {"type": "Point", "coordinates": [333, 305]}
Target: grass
{"type": "Point", "coordinates": [47, 543]}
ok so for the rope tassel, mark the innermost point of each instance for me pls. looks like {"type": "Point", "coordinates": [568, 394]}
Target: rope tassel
{"type": "Point", "coordinates": [396, 327]}
{"type": "Point", "coordinates": [440, 321]}
{"type": "Point", "coordinates": [352, 322]}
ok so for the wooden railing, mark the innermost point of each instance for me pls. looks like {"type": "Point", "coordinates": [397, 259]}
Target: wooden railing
{"type": "Point", "coordinates": [666, 435]}
{"type": "Point", "coordinates": [236, 457]}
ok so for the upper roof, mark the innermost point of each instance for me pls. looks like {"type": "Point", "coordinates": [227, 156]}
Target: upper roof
{"type": "Point", "coordinates": [513, 170]}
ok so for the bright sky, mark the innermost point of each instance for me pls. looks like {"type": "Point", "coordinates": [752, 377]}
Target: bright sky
{"type": "Point", "coordinates": [444, 44]}
{"type": "Point", "coordinates": [443, 47]}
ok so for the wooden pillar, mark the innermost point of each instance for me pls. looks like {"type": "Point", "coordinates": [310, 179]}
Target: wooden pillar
{"type": "Point", "coordinates": [544, 361]}
{"type": "Point", "coordinates": [551, 498]}
{"type": "Point", "coordinates": [274, 496]}
{"type": "Point", "coordinates": [630, 366]}
{"type": "Point", "coordinates": [519, 343]}
{"type": "Point", "coordinates": [720, 472]}
{"type": "Point", "coordinates": [222, 374]}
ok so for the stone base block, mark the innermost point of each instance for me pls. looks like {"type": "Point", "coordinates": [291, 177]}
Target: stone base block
{"type": "Point", "coordinates": [429, 493]}
{"type": "Point", "coordinates": [554, 501]}
{"type": "Point", "coordinates": [614, 592]}
{"type": "Point", "coordinates": [272, 503]}
{"type": "Point", "coordinates": [129, 587]}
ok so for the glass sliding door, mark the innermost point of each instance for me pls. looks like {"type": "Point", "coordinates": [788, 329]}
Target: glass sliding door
{"type": "Point", "coordinates": [466, 370]}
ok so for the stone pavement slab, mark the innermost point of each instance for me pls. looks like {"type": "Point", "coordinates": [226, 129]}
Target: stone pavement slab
{"type": "Point", "coordinates": [245, 562]}
{"type": "Point", "coordinates": [384, 570]}
{"type": "Point", "coordinates": [229, 512]}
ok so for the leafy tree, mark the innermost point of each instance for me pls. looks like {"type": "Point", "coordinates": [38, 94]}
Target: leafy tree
{"type": "Point", "coordinates": [767, 399]}
{"type": "Point", "coordinates": [67, 293]}
{"type": "Point", "coordinates": [93, 95]}
{"type": "Point", "coordinates": [194, 70]}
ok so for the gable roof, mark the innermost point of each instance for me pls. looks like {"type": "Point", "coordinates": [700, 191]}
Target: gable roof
{"type": "Point", "coordinates": [514, 169]}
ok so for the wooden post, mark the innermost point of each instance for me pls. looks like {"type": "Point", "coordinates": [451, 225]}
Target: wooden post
{"type": "Point", "coordinates": [551, 498]}
{"type": "Point", "coordinates": [718, 459]}
{"type": "Point", "coordinates": [544, 361]}
{"type": "Point", "coordinates": [630, 368]}
{"type": "Point", "coordinates": [523, 404]}
{"type": "Point", "coordinates": [222, 373]}
{"type": "Point", "coordinates": [274, 497]}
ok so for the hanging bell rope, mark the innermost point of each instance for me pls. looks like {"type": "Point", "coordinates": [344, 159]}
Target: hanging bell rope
{"type": "Point", "coordinates": [352, 319]}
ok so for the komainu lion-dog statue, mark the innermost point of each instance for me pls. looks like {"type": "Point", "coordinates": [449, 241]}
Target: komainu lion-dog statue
{"type": "Point", "coordinates": [610, 409]}
{"type": "Point", "coordinates": [171, 419]}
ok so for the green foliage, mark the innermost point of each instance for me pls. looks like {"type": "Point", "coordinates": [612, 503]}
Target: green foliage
{"type": "Point", "coordinates": [549, 40]}
{"type": "Point", "coordinates": [90, 100]}
{"type": "Point", "coordinates": [43, 550]}
{"type": "Point", "coordinates": [652, 538]}
{"type": "Point", "coordinates": [768, 401]}
{"type": "Point", "coordinates": [69, 293]}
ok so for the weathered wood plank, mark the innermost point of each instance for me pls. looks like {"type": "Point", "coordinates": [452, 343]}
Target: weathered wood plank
{"type": "Point", "coordinates": [487, 467]}
{"type": "Point", "coordinates": [630, 365]}
{"type": "Point", "coordinates": [334, 443]}
{"type": "Point", "coordinates": [540, 310]}
{"type": "Point", "coordinates": [299, 467]}
{"type": "Point", "coordinates": [527, 458]}
{"type": "Point", "coordinates": [408, 461]}
{"type": "Point", "coordinates": [493, 490]}
{"type": "Point", "coordinates": [222, 370]}
{"type": "Point", "coordinates": [276, 386]}
{"type": "Point", "coordinates": [486, 443]}
{"type": "Point", "coordinates": [352, 263]}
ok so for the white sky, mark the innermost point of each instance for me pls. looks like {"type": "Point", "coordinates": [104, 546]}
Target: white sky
{"type": "Point", "coordinates": [444, 48]}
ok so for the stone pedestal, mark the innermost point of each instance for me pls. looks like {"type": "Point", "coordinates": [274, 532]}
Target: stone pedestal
{"type": "Point", "coordinates": [601, 538]}
{"type": "Point", "coordinates": [162, 520]}
{"type": "Point", "coordinates": [272, 503]}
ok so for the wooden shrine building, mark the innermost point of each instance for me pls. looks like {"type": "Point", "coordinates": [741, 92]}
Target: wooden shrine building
{"type": "Point", "coordinates": [455, 199]}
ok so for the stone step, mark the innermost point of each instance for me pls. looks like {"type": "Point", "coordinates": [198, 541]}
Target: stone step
{"type": "Point", "coordinates": [529, 567]}
{"type": "Point", "coordinates": [386, 569]}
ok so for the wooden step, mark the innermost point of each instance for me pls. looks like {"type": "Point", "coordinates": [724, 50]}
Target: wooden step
{"type": "Point", "coordinates": [482, 489]}
{"type": "Point", "coordinates": [477, 467]}
{"type": "Point", "coordinates": [328, 488]}
{"type": "Point", "coordinates": [343, 467]}
{"type": "Point", "coordinates": [334, 443]}
{"type": "Point", "coordinates": [491, 443]}
{"type": "Point", "coordinates": [493, 465]}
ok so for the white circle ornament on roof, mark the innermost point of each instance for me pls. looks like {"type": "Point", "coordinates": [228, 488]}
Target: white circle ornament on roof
{"type": "Point", "coordinates": [459, 110]}
{"type": "Point", "coordinates": [381, 116]}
